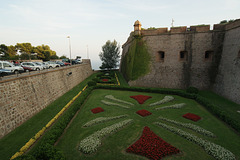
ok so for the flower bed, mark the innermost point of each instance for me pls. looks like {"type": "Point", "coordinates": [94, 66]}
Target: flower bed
{"type": "Point", "coordinates": [143, 113]}
{"type": "Point", "coordinates": [175, 106]}
{"type": "Point", "coordinates": [217, 151]}
{"type": "Point", "coordinates": [105, 80]}
{"type": "Point", "coordinates": [102, 120]}
{"type": "Point", "coordinates": [192, 117]}
{"type": "Point", "coordinates": [152, 146]}
{"type": "Point", "coordinates": [164, 100]}
{"type": "Point", "coordinates": [141, 98]}
{"type": "Point", "coordinates": [189, 126]}
{"type": "Point", "coordinates": [91, 143]}
{"type": "Point", "coordinates": [97, 110]}
{"type": "Point", "coordinates": [114, 104]}
{"type": "Point", "coordinates": [111, 97]}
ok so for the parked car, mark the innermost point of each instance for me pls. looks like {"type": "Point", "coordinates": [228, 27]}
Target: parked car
{"type": "Point", "coordinates": [9, 66]}
{"type": "Point", "coordinates": [53, 64]}
{"type": "Point", "coordinates": [67, 63]}
{"type": "Point", "coordinates": [32, 65]}
{"type": "Point", "coordinates": [5, 72]}
{"type": "Point", "coordinates": [41, 64]}
{"type": "Point", "coordinates": [60, 63]}
{"type": "Point", "coordinates": [27, 69]}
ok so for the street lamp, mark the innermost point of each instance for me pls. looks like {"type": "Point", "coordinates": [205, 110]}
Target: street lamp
{"type": "Point", "coordinates": [70, 48]}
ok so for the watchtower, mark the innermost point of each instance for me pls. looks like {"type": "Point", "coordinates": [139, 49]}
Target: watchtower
{"type": "Point", "coordinates": [137, 27]}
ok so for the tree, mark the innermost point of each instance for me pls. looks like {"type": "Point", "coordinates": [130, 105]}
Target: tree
{"type": "Point", "coordinates": [63, 57]}
{"type": "Point", "coordinates": [3, 50]}
{"type": "Point", "coordinates": [25, 48]}
{"type": "Point", "coordinates": [110, 55]}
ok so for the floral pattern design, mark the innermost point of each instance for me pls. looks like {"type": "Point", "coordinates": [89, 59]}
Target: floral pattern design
{"type": "Point", "coordinates": [192, 117]}
{"type": "Point", "coordinates": [152, 146]}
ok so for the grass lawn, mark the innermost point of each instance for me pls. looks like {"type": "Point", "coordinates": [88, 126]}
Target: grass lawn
{"type": "Point", "coordinates": [114, 145]}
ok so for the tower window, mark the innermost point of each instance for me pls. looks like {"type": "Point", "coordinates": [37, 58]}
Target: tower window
{"type": "Point", "coordinates": [160, 56]}
{"type": "Point", "coordinates": [183, 55]}
{"type": "Point", "coordinates": [208, 55]}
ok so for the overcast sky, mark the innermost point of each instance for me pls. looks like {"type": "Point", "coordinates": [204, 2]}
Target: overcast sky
{"type": "Point", "coordinates": [92, 22]}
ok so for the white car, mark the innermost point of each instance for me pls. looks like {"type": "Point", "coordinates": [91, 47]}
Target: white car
{"type": "Point", "coordinates": [52, 64]}
{"type": "Point", "coordinates": [9, 66]}
{"type": "Point", "coordinates": [32, 65]}
{"type": "Point", "coordinates": [41, 64]}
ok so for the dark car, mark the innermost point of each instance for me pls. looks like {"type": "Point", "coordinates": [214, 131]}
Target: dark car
{"type": "Point", "coordinates": [4, 72]}
{"type": "Point", "coordinates": [60, 63]}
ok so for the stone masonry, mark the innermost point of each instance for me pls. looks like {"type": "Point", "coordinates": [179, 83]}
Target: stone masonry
{"type": "Point", "coordinates": [194, 56]}
{"type": "Point", "coordinates": [23, 97]}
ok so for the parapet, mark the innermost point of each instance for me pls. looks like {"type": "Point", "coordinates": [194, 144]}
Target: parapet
{"type": "Point", "coordinates": [154, 31]}
{"type": "Point", "coordinates": [182, 29]}
{"type": "Point", "coordinates": [200, 28]}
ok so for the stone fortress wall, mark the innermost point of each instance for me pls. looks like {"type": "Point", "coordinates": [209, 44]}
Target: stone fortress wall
{"type": "Point", "coordinates": [194, 56]}
{"type": "Point", "coordinates": [23, 97]}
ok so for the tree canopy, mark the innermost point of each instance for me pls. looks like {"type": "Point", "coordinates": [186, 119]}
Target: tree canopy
{"type": "Point", "coordinates": [110, 55]}
{"type": "Point", "coordinates": [27, 51]}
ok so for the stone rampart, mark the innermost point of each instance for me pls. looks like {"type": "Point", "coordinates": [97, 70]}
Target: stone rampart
{"type": "Point", "coordinates": [195, 56]}
{"type": "Point", "coordinates": [22, 97]}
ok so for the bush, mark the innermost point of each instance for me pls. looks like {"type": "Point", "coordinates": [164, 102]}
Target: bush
{"type": "Point", "coordinates": [25, 157]}
{"type": "Point", "coordinates": [192, 90]}
{"type": "Point", "coordinates": [47, 151]}
{"type": "Point", "coordinates": [92, 83]}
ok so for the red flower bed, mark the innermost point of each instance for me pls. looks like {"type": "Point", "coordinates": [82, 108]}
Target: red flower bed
{"type": "Point", "coordinates": [141, 98]}
{"type": "Point", "coordinates": [97, 110]}
{"type": "Point", "coordinates": [105, 80]}
{"type": "Point", "coordinates": [143, 113]}
{"type": "Point", "coordinates": [152, 146]}
{"type": "Point", "coordinates": [192, 117]}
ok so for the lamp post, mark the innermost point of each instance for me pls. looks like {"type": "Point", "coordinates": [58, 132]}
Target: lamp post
{"type": "Point", "coordinates": [70, 49]}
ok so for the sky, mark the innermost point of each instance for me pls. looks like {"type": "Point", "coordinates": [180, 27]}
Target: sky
{"type": "Point", "coordinates": [91, 23]}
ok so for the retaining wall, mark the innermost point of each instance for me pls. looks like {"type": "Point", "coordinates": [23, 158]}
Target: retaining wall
{"type": "Point", "coordinates": [23, 97]}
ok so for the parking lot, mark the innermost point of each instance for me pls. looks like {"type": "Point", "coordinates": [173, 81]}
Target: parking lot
{"type": "Point", "coordinates": [31, 73]}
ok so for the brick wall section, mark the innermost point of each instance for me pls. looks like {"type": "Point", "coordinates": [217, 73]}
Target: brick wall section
{"type": "Point", "coordinates": [23, 97]}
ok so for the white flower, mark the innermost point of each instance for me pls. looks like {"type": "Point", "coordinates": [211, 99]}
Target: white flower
{"type": "Point", "coordinates": [164, 100]}
{"type": "Point", "coordinates": [114, 104]}
{"type": "Point", "coordinates": [91, 143]}
{"type": "Point", "coordinates": [212, 149]}
{"type": "Point", "coordinates": [102, 119]}
{"type": "Point", "coordinates": [175, 106]}
{"type": "Point", "coordinates": [111, 97]}
{"type": "Point", "coordinates": [189, 126]}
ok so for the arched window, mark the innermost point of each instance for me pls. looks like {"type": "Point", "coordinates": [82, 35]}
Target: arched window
{"type": "Point", "coordinates": [160, 56]}
{"type": "Point", "coordinates": [208, 55]}
{"type": "Point", "coordinates": [183, 56]}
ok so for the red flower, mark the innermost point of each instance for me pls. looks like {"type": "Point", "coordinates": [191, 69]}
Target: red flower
{"type": "Point", "coordinates": [141, 98]}
{"type": "Point", "coordinates": [97, 110]}
{"type": "Point", "coordinates": [152, 146]}
{"type": "Point", "coordinates": [143, 113]}
{"type": "Point", "coordinates": [192, 116]}
{"type": "Point", "coordinates": [105, 80]}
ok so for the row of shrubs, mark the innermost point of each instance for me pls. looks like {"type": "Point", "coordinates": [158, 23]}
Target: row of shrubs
{"type": "Point", "coordinates": [190, 93]}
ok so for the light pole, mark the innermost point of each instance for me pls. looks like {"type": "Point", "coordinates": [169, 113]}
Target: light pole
{"type": "Point", "coordinates": [70, 49]}
{"type": "Point", "coordinates": [87, 53]}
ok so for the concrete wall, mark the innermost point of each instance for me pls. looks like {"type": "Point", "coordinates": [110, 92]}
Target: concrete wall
{"type": "Point", "coordinates": [22, 97]}
{"type": "Point", "coordinates": [228, 78]}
